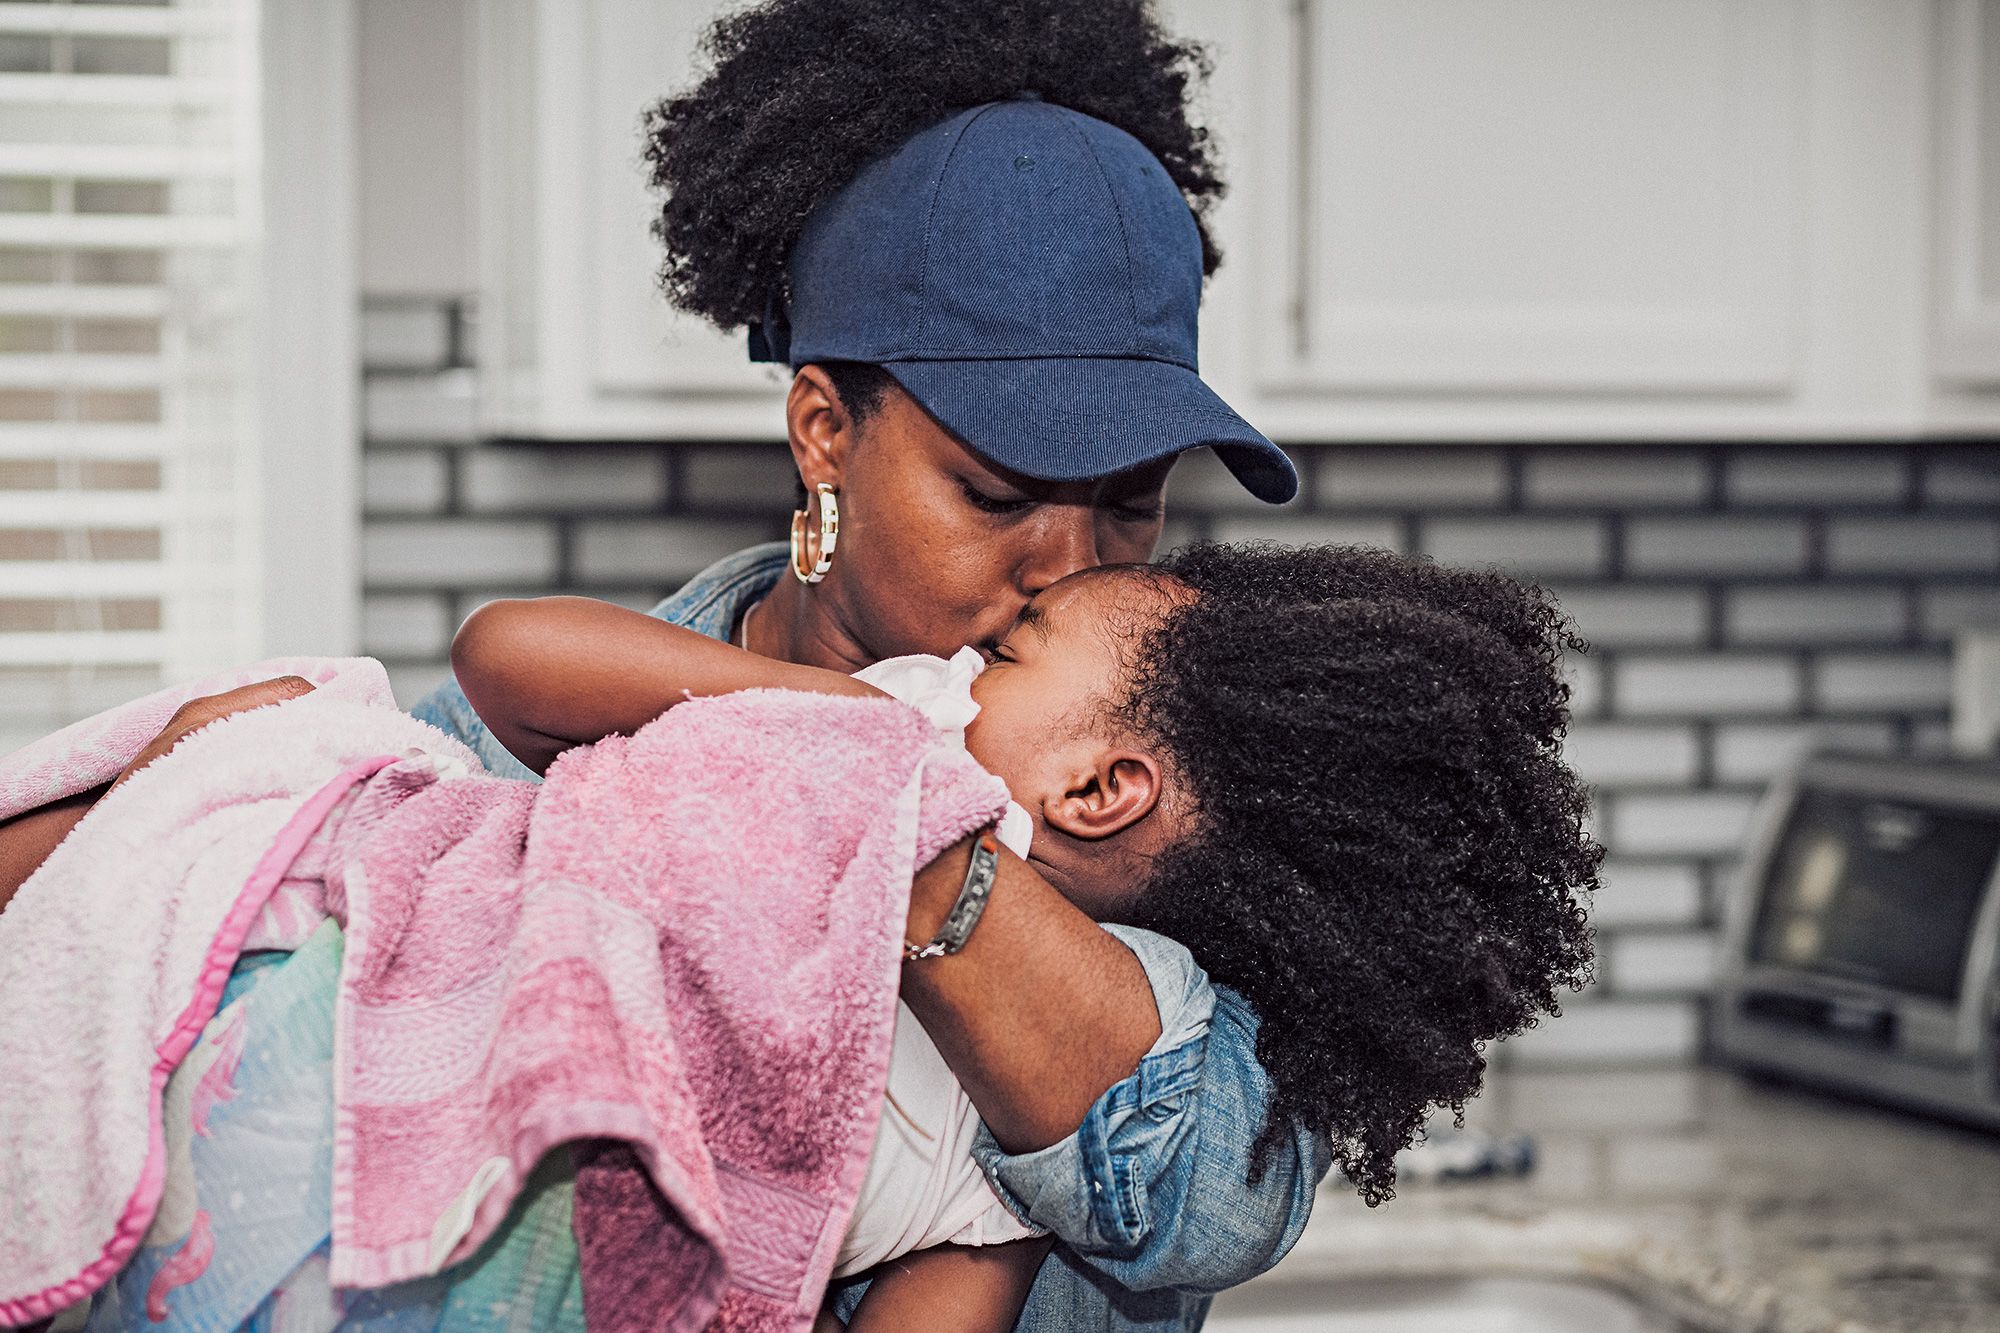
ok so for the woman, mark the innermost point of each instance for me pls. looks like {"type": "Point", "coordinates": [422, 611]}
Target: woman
{"type": "Point", "coordinates": [974, 232]}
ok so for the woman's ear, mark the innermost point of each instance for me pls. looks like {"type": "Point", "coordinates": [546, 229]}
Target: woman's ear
{"type": "Point", "coordinates": [819, 426]}
{"type": "Point", "coordinates": [1115, 790]}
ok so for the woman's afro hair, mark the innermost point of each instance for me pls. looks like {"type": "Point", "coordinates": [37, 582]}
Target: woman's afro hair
{"type": "Point", "coordinates": [1388, 857]}
{"type": "Point", "coordinates": [800, 94]}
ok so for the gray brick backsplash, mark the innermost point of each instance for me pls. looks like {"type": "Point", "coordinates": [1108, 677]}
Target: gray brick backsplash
{"type": "Point", "coordinates": [405, 337]}
{"type": "Point", "coordinates": [1706, 685]}
{"type": "Point", "coordinates": [1618, 478]}
{"type": "Point", "coordinates": [1623, 754]}
{"type": "Point", "coordinates": [1715, 545]}
{"type": "Point", "coordinates": [421, 409]}
{"type": "Point", "coordinates": [633, 599]}
{"type": "Point", "coordinates": [1931, 739]}
{"type": "Point", "coordinates": [1180, 529]}
{"type": "Point", "coordinates": [1586, 685]}
{"type": "Point", "coordinates": [1654, 961]}
{"type": "Point", "coordinates": [741, 476]}
{"type": "Point", "coordinates": [1816, 475]}
{"type": "Point", "coordinates": [1744, 604]}
{"type": "Point", "coordinates": [1627, 616]}
{"type": "Point", "coordinates": [1884, 682]}
{"type": "Point", "coordinates": [1803, 613]}
{"type": "Point", "coordinates": [404, 481]}
{"type": "Point", "coordinates": [418, 625]}
{"type": "Point", "coordinates": [1610, 1032]}
{"type": "Point", "coordinates": [1303, 529]}
{"type": "Point", "coordinates": [1647, 893]}
{"type": "Point", "coordinates": [1964, 476]}
{"type": "Point", "coordinates": [669, 550]}
{"type": "Point", "coordinates": [436, 553]}
{"type": "Point", "coordinates": [1913, 544]}
{"type": "Point", "coordinates": [515, 479]}
{"type": "Point", "coordinates": [1687, 823]}
{"type": "Point", "coordinates": [1391, 478]}
{"type": "Point", "coordinates": [1747, 752]}
{"type": "Point", "coordinates": [1949, 609]}
{"type": "Point", "coordinates": [1528, 546]}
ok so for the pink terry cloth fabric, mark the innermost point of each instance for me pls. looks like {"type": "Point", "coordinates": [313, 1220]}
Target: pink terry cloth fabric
{"type": "Point", "coordinates": [116, 950]}
{"type": "Point", "coordinates": [688, 942]}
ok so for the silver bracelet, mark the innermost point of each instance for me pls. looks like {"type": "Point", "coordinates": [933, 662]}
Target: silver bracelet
{"type": "Point", "coordinates": [965, 913]}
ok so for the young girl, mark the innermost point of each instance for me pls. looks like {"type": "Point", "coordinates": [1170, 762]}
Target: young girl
{"type": "Point", "coordinates": [1331, 773]}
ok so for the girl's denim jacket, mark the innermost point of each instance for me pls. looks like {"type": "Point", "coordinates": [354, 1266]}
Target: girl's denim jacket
{"type": "Point", "coordinates": [1150, 1195]}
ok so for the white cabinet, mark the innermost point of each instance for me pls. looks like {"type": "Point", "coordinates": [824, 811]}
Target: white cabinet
{"type": "Point", "coordinates": [575, 339]}
{"type": "Point", "coordinates": [1968, 222]}
{"type": "Point", "coordinates": [1447, 219]}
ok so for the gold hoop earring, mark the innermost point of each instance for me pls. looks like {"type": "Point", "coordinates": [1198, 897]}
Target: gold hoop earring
{"type": "Point", "coordinates": [812, 553]}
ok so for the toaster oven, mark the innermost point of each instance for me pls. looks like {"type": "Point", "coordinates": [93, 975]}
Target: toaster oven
{"type": "Point", "coordinates": [1860, 949]}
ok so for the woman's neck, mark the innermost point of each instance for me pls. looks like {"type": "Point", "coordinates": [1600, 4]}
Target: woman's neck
{"type": "Point", "coordinates": [796, 623]}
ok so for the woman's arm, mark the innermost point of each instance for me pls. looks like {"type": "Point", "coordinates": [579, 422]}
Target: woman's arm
{"type": "Point", "coordinates": [1039, 1014]}
{"type": "Point", "coordinates": [1044, 1013]}
{"type": "Point", "coordinates": [950, 1288]}
{"type": "Point", "coordinates": [554, 672]}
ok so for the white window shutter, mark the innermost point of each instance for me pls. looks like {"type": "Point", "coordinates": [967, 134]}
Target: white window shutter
{"type": "Point", "coordinates": [129, 191]}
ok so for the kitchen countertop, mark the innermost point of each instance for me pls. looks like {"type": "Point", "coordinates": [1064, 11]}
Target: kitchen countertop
{"type": "Point", "coordinates": [1731, 1205]}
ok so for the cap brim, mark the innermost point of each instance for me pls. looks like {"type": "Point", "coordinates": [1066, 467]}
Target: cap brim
{"type": "Point", "coordinates": [1073, 418]}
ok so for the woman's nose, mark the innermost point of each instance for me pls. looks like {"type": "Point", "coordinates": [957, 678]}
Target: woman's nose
{"type": "Point", "coordinates": [1066, 544]}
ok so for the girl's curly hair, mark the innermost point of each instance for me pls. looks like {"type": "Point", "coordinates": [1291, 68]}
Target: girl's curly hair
{"type": "Point", "coordinates": [1388, 858]}
{"type": "Point", "coordinates": [802, 93]}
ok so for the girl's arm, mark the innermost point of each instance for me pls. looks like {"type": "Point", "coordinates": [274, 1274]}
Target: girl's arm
{"type": "Point", "coordinates": [27, 839]}
{"type": "Point", "coordinates": [554, 672]}
{"type": "Point", "coordinates": [950, 1288]}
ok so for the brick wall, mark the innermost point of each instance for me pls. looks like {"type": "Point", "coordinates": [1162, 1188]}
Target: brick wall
{"type": "Point", "coordinates": [1743, 602]}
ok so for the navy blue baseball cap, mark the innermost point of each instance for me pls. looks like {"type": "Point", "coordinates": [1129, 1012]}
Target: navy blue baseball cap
{"type": "Point", "coordinates": [1032, 276]}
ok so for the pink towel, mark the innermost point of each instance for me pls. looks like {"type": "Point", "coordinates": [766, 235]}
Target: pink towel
{"type": "Point", "coordinates": [687, 942]}
{"type": "Point", "coordinates": [116, 950]}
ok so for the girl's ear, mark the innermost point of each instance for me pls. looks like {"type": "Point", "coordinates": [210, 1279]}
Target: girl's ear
{"type": "Point", "coordinates": [819, 426]}
{"type": "Point", "coordinates": [1115, 790]}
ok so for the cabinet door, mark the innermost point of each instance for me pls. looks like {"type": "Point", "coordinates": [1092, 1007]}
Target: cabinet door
{"type": "Point", "coordinates": [1967, 292]}
{"type": "Point", "coordinates": [577, 339]}
{"type": "Point", "coordinates": [1540, 196]}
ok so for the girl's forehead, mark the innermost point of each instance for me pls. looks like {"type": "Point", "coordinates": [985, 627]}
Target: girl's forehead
{"type": "Point", "coordinates": [1101, 593]}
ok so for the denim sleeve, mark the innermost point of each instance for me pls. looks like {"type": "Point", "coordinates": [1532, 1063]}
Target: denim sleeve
{"type": "Point", "coordinates": [1153, 1189]}
{"type": "Point", "coordinates": [447, 709]}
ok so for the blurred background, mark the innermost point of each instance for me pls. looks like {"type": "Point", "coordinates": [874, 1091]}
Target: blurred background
{"type": "Point", "coordinates": [323, 321]}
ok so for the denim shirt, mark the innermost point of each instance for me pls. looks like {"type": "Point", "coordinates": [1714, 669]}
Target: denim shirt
{"type": "Point", "coordinates": [1149, 1196]}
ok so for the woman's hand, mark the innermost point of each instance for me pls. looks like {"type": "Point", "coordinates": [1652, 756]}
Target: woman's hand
{"type": "Point", "coordinates": [27, 839]}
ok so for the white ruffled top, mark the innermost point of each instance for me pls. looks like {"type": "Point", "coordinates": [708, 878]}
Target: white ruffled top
{"type": "Point", "coordinates": [922, 1187]}
{"type": "Point", "coordinates": [941, 689]}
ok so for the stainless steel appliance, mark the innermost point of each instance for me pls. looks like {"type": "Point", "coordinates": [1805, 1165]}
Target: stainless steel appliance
{"type": "Point", "coordinates": [1862, 943]}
